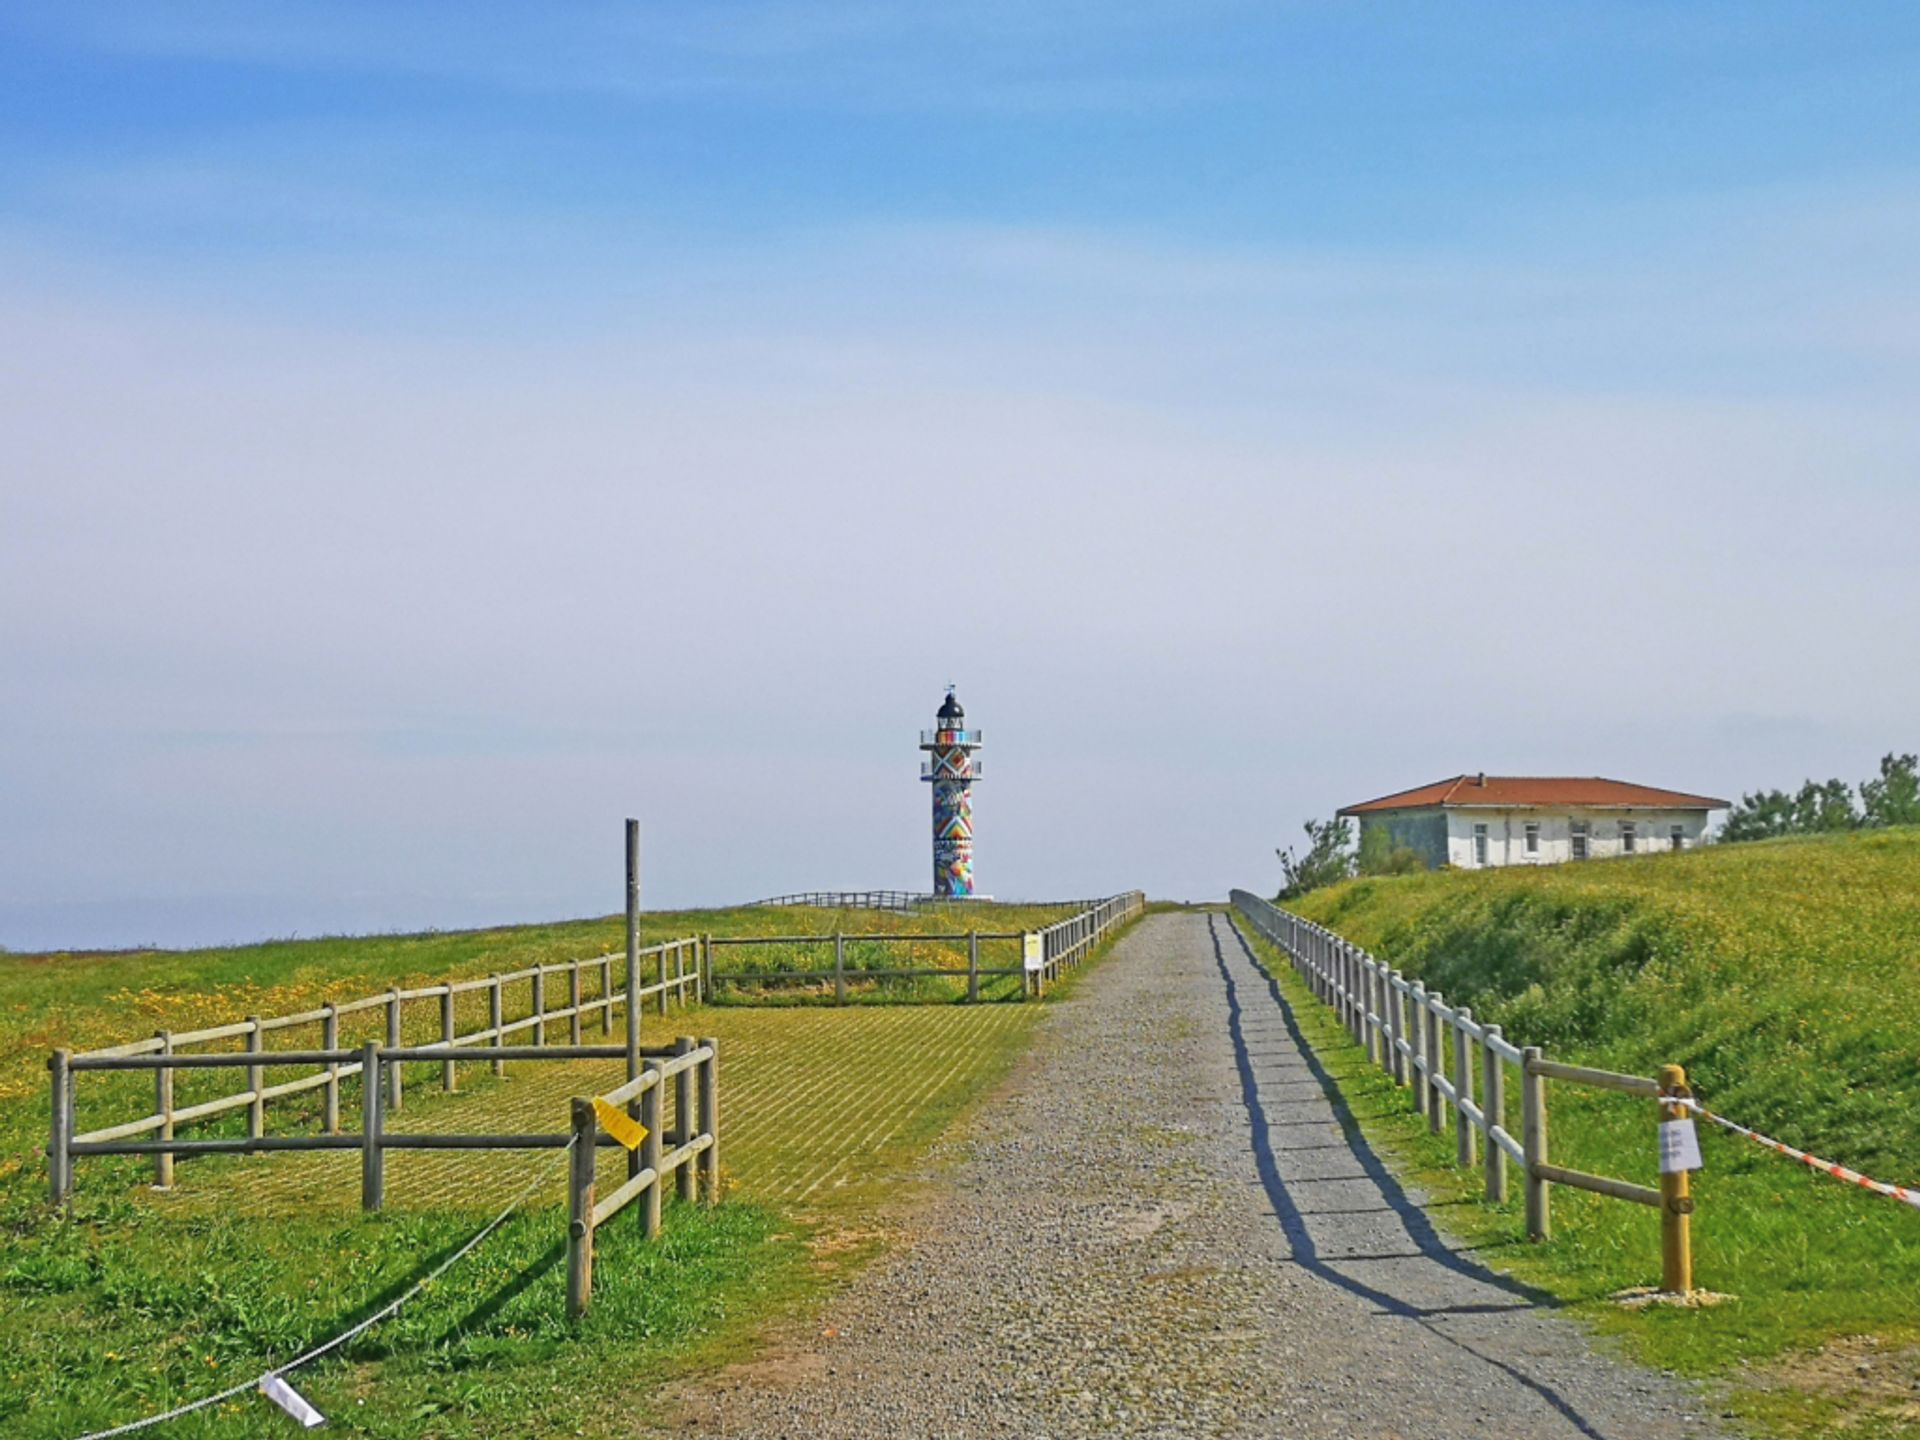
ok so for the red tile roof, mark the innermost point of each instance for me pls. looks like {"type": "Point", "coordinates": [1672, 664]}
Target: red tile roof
{"type": "Point", "coordinates": [1526, 792]}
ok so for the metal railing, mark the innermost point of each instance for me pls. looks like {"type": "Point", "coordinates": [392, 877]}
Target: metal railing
{"type": "Point", "coordinates": [1427, 1045]}
{"type": "Point", "coordinates": [1063, 945]}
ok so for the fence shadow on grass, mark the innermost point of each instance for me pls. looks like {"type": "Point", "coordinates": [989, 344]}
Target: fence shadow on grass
{"type": "Point", "coordinates": [1427, 1241]}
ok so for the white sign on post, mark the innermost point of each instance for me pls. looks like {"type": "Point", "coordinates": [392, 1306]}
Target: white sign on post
{"type": "Point", "coordinates": [1679, 1147]}
{"type": "Point", "coordinates": [1036, 950]}
{"type": "Point", "coordinates": [291, 1401]}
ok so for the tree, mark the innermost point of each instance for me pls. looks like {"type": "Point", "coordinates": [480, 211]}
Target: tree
{"type": "Point", "coordinates": [1893, 799]}
{"type": "Point", "coordinates": [1378, 855]}
{"type": "Point", "coordinates": [1759, 816]}
{"type": "Point", "coordinates": [1327, 860]}
{"type": "Point", "coordinates": [1819, 809]}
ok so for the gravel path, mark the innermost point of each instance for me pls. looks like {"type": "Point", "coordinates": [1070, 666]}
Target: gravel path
{"type": "Point", "coordinates": [1126, 1246]}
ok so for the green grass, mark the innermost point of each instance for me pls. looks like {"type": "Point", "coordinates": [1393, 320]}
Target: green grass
{"type": "Point", "coordinates": [138, 1302]}
{"type": "Point", "coordinates": [1782, 975]}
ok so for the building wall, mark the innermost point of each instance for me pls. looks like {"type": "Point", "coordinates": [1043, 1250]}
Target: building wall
{"type": "Point", "coordinates": [1506, 833]}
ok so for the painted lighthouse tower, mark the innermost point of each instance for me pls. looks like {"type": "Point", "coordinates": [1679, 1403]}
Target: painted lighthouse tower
{"type": "Point", "coordinates": [951, 769]}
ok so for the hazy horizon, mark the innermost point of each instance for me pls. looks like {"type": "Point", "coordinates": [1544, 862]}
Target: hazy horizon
{"type": "Point", "coordinates": [422, 446]}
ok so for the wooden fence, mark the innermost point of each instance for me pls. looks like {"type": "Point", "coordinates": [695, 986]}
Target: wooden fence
{"type": "Point", "coordinates": [1430, 1047]}
{"type": "Point", "coordinates": [854, 899]}
{"type": "Point", "coordinates": [1043, 954]}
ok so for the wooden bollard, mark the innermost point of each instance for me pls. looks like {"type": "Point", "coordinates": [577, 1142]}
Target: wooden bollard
{"type": "Point", "coordinates": [580, 1166]}
{"type": "Point", "coordinates": [683, 1117]}
{"type": "Point", "coordinates": [163, 1107]}
{"type": "Point", "coordinates": [710, 1117]}
{"type": "Point", "coordinates": [1493, 1104]}
{"type": "Point", "coordinates": [372, 1155]}
{"type": "Point", "coordinates": [1676, 1198]}
{"type": "Point", "coordinates": [1533, 1140]}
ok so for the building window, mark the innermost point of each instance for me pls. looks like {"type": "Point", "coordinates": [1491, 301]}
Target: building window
{"type": "Point", "coordinates": [1629, 837]}
{"type": "Point", "coordinates": [1579, 839]}
{"type": "Point", "coordinates": [1676, 837]}
{"type": "Point", "coordinates": [1479, 844]}
{"type": "Point", "coordinates": [1533, 837]}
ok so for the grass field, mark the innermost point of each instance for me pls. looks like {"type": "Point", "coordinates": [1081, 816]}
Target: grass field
{"type": "Point", "coordinates": [140, 1301]}
{"type": "Point", "coordinates": [1783, 976]}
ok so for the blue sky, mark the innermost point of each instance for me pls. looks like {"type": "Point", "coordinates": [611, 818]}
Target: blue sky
{"type": "Point", "coordinates": [429, 434]}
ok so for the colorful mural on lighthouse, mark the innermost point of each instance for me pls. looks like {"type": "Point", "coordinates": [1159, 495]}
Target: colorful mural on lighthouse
{"type": "Point", "coordinates": [951, 770]}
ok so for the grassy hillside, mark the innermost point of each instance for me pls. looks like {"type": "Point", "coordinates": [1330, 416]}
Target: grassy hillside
{"type": "Point", "coordinates": [1786, 977]}
{"type": "Point", "coordinates": [139, 1301]}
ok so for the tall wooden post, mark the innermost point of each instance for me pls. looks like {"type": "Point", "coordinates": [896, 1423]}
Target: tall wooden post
{"type": "Point", "coordinates": [1417, 1037]}
{"type": "Point", "coordinates": [580, 1209]}
{"type": "Point", "coordinates": [1676, 1199]}
{"type": "Point", "coordinates": [710, 1118]}
{"type": "Point", "coordinates": [497, 1018]}
{"type": "Point", "coordinates": [539, 1003]}
{"type": "Point", "coordinates": [1436, 1066]}
{"type": "Point", "coordinates": [330, 1040]}
{"type": "Point", "coordinates": [449, 1081]}
{"type": "Point", "coordinates": [256, 1082]}
{"type": "Point", "coordinates": [1462, 1089]}
{"type": "Point", "coordinates": [649, 1153]}
{"type": "Point", "coordinates": [973, 965]}
{"type": "Point", "coordinates": [372, 1157]}
{"type": "Point", "coordinates": [60, 1142]}
{"type": "Point", "coordinates": [683, 1117]}
{"type": "Point", "coordinates": [839, 968]}
{"type": "Point", "coordinates": [393, 1043]}
{"type": "Point", "coordinates": [163, 1107]}
{"type": "Point", "coordinates": [1493, 1104]}
{"type": "Point", "coordinates": [633, 976]}
{"type": "Point", "coordinates": [573, 1004]}
{"type": "Point", "coordinates": [1533, 1140]}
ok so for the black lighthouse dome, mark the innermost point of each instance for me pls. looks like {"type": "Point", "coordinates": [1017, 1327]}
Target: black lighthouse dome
{"type": "Point", "coordinates": [950, 714]}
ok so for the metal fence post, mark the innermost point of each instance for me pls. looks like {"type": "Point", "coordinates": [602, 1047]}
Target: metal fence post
{"type": "Point", "coordinates": [683, 1117]}
{"type": "Point", "coordinates": [1533, 1124]}
{"type": "Point", "coordinates": [60, 1142]}
{"type": "Point", "coordinates": [449, 1081]}
{"type": "Point", "coordinates": [393, 1043]}
{"type": "Point", "coordinates": [710, 1118]}
{"type": "Point", "coordinates": [372, 1157]}
{"type": "Point", "coordinates": [633, 975]}
{"type": "Point", "coordinates": [256, 1082]}
{"type": "Point", "coordinates": [649, 1152]}
{"type": "Point", "coordinates": [1493, 1104]}
{"type": "Point", "coordinates": [1462, 1088]}
{"type": "Point", "coordinates": [163, 1106]}
{"type": "Point", "coordinates": [580, 1209]}
{"type": "Point", "coordinates": [497, 1018]}
{"type": "Point", "coordinates": [1676, 1198]}
{"type": "Point", "coordinates": [973, 965]}
{"type": "Point", "coordinates": [330, 1040]}
{"type": "Point", "coordinates": [839, 968]}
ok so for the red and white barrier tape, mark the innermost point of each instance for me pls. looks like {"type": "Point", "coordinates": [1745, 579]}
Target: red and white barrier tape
{"type": "Point", "coordinates": [1838, 1172]}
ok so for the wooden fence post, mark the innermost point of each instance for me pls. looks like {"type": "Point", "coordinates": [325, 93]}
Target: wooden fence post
{"type": "Point", "coordinates": [1462, 1089]}
{"type": "Point", "coordinates": [573, 1004]}
{"type": "Point", "coordinates": [60, 1142]}
{"type": "Point", "coordinates": [1533, 1124]}
{"type": "Point", "coordinates": [649, 1152]}
{"type": "Point", "coordinates": [449, 1081]}
{"type": "Point", "coordinates": [663, 980]}
{"type": "Point", "coordinates": [1436, 1065]}
{"type": "Point", "coordinates": [580, 1209]}
{"type": "Point", "coordinates": [839, 968]}
{"type": "Point", "coordinates": [683, 1117]}
{"type": "Point", "coordinates": [1493, 1104]}
{"type": "Point", "coordinates": [539, 1003]}
{"type": "Point", "coordinates": [606, 997]}
{"type": "Point", "coordinates": [393, 1043]}
{"type": "Point", "coordinates": [330, 1040]}
{"type": "Point", "coordinates": [256, 1082]}
{"type": "Point", "coordinates": [1417, 1037]}
{"type": "Point", "coordinates": [973, 965]}
{"type": "Point", "coordinates": [710, 1118]}
{"type": "Point", "coordinates": [163, 1107]}
{"type": "Point", "coordinates": [1676, 1198]}
{"type": "Point", "coordinates": [372, 1156]}
{"type": "Point", "coordinates": [497, 1018]}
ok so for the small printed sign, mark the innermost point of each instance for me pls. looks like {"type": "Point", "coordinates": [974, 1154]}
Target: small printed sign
{"type": "Point", "coordinates": [1679, 1147]}
{"type": "Point", "coordinates": [291, 1401]}
{"type": "Point", "coordinates": [617, 1123]}
{"type": "Point", "coordinates": [1036, 950]}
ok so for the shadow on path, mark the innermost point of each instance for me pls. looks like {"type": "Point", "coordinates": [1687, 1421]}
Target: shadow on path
{"type": "Point", "coordinates": [1420, 1230]}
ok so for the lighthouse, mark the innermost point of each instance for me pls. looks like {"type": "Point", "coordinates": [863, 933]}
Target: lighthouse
{"type": "Point", "coordinates": [951, 769]}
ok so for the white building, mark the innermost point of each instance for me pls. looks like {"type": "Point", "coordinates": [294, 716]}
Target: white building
{"type": "Point", "coordinates": [1476, 821]}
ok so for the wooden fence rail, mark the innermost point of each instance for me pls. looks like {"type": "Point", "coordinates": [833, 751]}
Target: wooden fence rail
{"type": "Point", "coordinates": [1062, 946]}
{"type": "Point", "coordinates": [1427, 1045]}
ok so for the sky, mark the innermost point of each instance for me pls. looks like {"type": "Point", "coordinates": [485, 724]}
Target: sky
{"type": "Point", "coordinates": [430, 434]}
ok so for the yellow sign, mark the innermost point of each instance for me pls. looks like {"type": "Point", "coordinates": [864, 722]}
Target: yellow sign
{"type": "Point", "coordinates": [617, 1123]}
